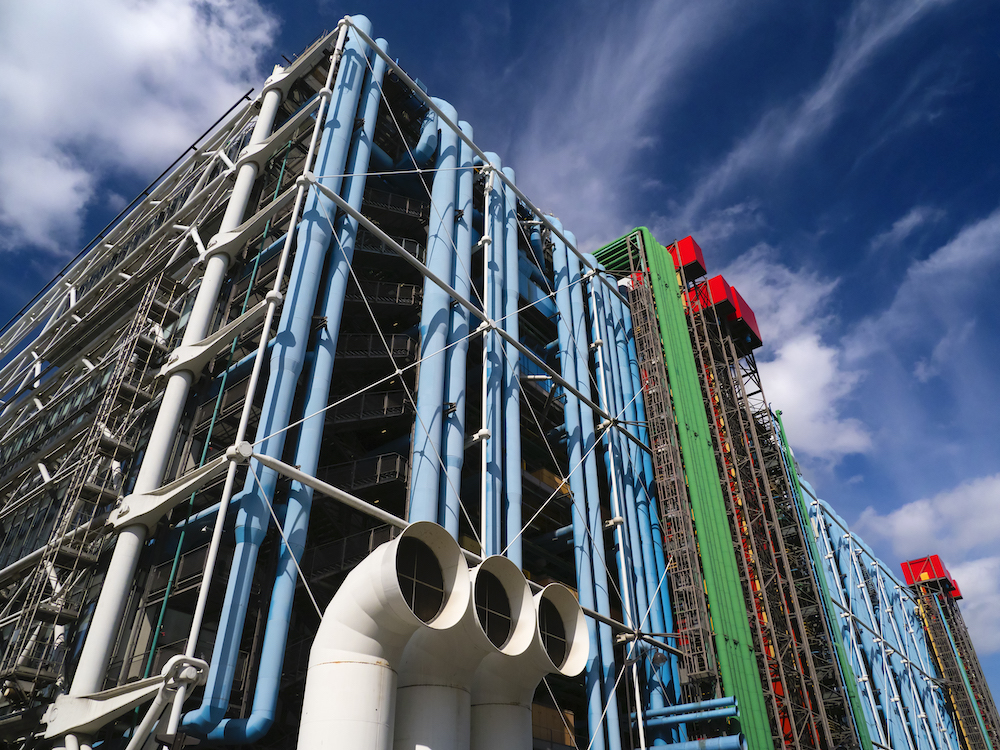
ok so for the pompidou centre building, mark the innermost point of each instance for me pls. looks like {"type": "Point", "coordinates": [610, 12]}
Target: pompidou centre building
{"type": "Point", "coordinates": [335, 440]}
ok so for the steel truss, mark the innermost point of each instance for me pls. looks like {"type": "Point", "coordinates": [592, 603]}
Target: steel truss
{"type": "Point", "coordinates": [700, 672]}
{"type": "Point", "coordinates": [971, 700]}
{"type": "Point", "coordinates": [799, 674]}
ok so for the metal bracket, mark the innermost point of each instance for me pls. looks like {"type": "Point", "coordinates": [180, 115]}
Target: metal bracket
{"type": "Point", "coordinates": [86, 714]}
{"type": "Point", "coordinates": [231, 243]}
{"type": "Point", "coordinates": [149, 507]}
{"type": "Point", "coordinates": [194, 357]}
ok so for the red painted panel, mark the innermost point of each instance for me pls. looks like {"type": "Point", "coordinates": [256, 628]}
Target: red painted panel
{"type": "Point", "coordinates": [743, 324]}
{"type": "Point", "coordinates": [688, 255]}
{"type": "Point", "coordinates": [715, 292]}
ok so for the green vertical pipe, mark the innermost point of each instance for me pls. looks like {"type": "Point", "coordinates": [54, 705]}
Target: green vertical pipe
{"type": "Point", "coordinates": [847, 675]}
{"type": "Point", "coordinates": [733, 639]}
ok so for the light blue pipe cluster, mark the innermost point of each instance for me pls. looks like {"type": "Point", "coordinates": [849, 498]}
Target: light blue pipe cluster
{"type": "Point", "coordinates": [884, 637]}
{"type": "Point", "coordinates": [338, 152]}
{"type": "Point", "coordinates": [630, 472]}
{"type": "Point", "coordinates": [588, 534]}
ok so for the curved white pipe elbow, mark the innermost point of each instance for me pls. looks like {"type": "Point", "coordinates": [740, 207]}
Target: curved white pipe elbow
{"type": "Point", "coordinates": [504, 686]}
{"type": "Point", "coordinates": [351, 683]}
{"type": "Point", "coordinates": [433, 700]}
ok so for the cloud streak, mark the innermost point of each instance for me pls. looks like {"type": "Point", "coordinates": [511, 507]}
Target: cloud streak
{"type": "Point", "coordinates": [592, 118]}
{"type": "Point", "coordinates": [782, 132]}
{"type": "Point", "coordinates": [804, 375]}
{"type": "Point", "coordinates": [132, 84]}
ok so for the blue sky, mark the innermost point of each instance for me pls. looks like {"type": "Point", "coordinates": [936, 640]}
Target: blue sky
{"type": "Point", "coordinates": [836, 161]}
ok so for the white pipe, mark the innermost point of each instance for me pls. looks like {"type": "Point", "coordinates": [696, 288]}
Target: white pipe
{"type": "Point", "coordinates": [434, 697]}
{"type": "Point", "coordinates": [96, 654]}
{"type": "Point", "coordinates": [350, 689]}
{"type": "Point", "coordinates": [273, 297]}
{"type": "Point", "coordinates": [504, 686]}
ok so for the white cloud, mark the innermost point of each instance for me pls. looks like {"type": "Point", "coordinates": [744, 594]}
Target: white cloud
{"type": "Point", "coordinates": [784, 130]}
{"type": "Point", "coordinates": [906, 226]}
{"type": "Point", "coordinates": [92, 88]}
{"type": "Point", "coordinates": [935, 299]}
{"type": "Point", "coordinates": [593, 120]}
{"type": "Point", "coordinates": [961, 525]}
{"type": "Point", "coordinates": [804, 375]}
{"type": "Point", "coordinates": [979, 581]}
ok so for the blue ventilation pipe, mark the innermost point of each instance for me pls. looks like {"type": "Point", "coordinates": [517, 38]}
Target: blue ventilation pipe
{"type": "Point", "coordinates": [493, 281]}
{"type": "Point", "coordinates": [649, 542]}
{"type": "Point", "coordinates": [594, 520]}
{"type": "Point", "coordinates": [620, 459]}
{"type": "Point", "coordinates": [582, 548]}
{"type": "Point", "coordinates": [456, 394]}
{"type": "Point", "coordinates": [641, 568]}
{"type": "Point", "coordinates": [425, 481]}
{"type": "Point", "coordinates": [647, 499]}
{"type": "Point", "coordinates": [511, 380]}
{"type": "Point", "coordinates": [307, 449]}
{"type": "Point", "coordinates": [660, 619]}
{"type": "Point", "coordinates": [458, 344]}
{"type": "Point", "coordinates": [312, 240]}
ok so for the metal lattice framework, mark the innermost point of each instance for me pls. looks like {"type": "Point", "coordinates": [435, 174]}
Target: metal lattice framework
{"type": "Point", "coordinates": [700, 678]}
{"type": "Point", "coordinates": [970, 697]}
{"type": "Point", "coordinates": [795, 653]}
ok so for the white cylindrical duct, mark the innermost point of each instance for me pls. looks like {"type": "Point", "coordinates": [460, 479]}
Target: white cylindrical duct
{"type": "Point", "coordinates": [419, 579]}
{"type": "Point", "coordinates": [504, 686]}
{"type": "Point", "coordinates": [433, 700]}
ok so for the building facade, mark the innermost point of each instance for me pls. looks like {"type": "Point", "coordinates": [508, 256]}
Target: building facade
{"type": "Point", "coordinates": [336, 328]}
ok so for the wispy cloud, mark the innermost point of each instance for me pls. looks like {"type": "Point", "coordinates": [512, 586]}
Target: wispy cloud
{"type": "Point", "coordinates": [110, 85]}
{"type": "Point", "coordinates": [904, 227]}
{"type": "Point", "coordinates": [934, 299]}
{"type": "Point", "coordinates": [782, 132]}
{"type": "Point", "coordinates": [803, 372]}
{"type": "Point", "coordinates": [591, 122]}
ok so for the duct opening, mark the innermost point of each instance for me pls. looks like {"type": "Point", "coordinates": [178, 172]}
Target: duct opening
{"type": "Point", "coordinates": [553, 631]}
{"type": "Point", "coordinates": [493, 608]}
{"type": "Point", "coordinates": [421, 580]}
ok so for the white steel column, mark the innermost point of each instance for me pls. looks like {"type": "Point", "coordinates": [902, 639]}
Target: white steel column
{"type": "Point", "coordinates": [96, 653]}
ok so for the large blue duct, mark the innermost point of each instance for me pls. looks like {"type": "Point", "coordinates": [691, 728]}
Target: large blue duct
{"type": "Point", "coordinates": [493, 372]}
{"type": "Point", "coordinates": [307, 450]}
{"type": "Point", "coordinates": [582, 548]}
{"type": "Point", "coordinates": [312, 240]}
{"type": "Point", "coordinates": [595, 523]}
{"type": "Point", "coordinates": [425, 481]}
{"type": "Point", "coordinates": [458, 345]}
{"type": "Point", "coordinates": [511, 380]}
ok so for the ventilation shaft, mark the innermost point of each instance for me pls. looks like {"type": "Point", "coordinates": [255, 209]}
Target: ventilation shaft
{"type": "Point", "coordinates": [416, 650]}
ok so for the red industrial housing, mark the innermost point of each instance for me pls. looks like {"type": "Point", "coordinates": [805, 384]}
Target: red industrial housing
{"type": "Point", "coordinates": [687, 255]}
{"type": "Point", "coordinates": [930, 569]}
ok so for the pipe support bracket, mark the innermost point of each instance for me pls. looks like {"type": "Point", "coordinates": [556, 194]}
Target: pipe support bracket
{"type": "Point", "coordinates": [194, 357]}
{"type": "Point", "coordinates": [86, 714]}
{"type": "Point", "coordinates": [149, 507]}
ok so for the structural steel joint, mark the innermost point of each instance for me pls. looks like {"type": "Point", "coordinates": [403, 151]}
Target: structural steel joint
{"type": "Point", "coordinates": [148, 508]}
{"type": "Point", "coordinates": [194, 357]}
{"type": "Point", "coordinates": [85, 714]}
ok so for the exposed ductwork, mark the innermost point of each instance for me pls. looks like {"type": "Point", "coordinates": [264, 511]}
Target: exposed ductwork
{"type": "Point", "coordinates": [504, 685]}
{"type": "Point", "coordinates": [466, 649]}
{"type": "Point", "coordinates": [434, 696]}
